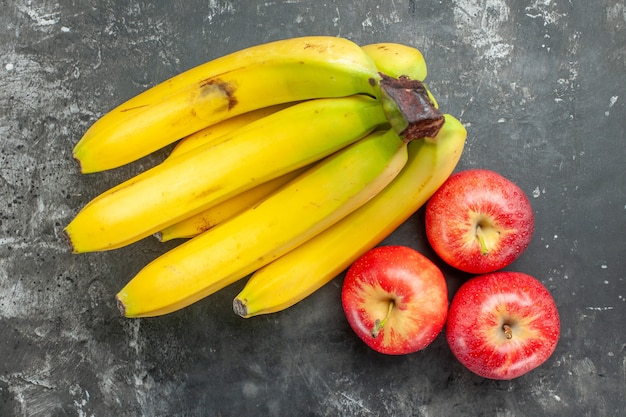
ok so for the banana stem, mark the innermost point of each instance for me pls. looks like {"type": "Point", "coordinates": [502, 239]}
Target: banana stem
{"type": "Point", "coordinates": [378, 324]}
{"type": "Point", "coordinates": [409, 109]}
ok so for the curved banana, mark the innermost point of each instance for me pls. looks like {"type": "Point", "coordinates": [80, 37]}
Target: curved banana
{"type": "Point", "coordinates": [260, 76]}
{"type": "Point", "coordinates": [211, 217]}
{"type": "Point", "coordinates": [217, 133]}
{"type": "Point", "coordinates": [396, 60]}
{"type": "Point", "coordinates": [306, 206]}
{"type": "Point", "coordinates": [297, 274]}
{"type": "Point", "coordinates": [191, 182]}
{"type": "Point", "coordinates": [213, 135]}
{"type": "Point", "coordinates": [391, 58]}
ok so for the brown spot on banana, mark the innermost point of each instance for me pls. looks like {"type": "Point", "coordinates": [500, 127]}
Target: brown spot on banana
{"type": "Point", "coordinates": [227, 90]}
{"type": "Point", "coordinates": [133, 108]}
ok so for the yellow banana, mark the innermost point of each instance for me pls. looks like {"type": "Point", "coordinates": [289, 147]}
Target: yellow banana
{"type": "Point", "coordinates": [214, 215]}
{"type": "Point", "coordinates": [391, 58]}
{"type": "Point", "coordinates": [395, 60]}
{"type": "Point", "coordinates": [193, 181]}
{"type": "Point", "coordinates": [263, 75]}
{"type": "Point", "coordinates": [217, 133]}
{"type": "Point", "coordinates": [211, 217]}
{"type": "Point", "coordinates": [297, 274]}
{"type": "Point", "coordinates": [309, 204]}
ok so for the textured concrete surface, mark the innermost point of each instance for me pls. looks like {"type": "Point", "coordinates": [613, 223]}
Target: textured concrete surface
{"type": "Point", "coordinates": [540, 85]}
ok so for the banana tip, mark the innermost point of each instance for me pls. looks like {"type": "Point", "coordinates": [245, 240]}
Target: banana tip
{"type": "Point", "coordinates": [239, 307]}
{"type": "Point", "coordinates": [68, 241]}
{"type": "Point", "coordinates": [78, 162]}
{"type": "Point", "coordinates": [120, 305]}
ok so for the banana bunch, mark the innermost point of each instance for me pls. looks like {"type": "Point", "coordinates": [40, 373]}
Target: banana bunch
{"type": "Point", "coordinates": [296, 157]}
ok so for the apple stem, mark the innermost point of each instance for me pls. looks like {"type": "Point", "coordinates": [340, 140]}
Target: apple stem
{"type": "Point", "coordinates": [378, 324]}
{"type": "Point", "coordinates": [480, 235]}
{"type": "Point", "coordinates": [508, 332]}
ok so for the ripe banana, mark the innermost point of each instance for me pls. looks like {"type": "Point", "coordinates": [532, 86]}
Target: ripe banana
{"type": "Point", "coordinates": [211, 217]}
{"type": "Point", "coordinates": [194, 181]}
{"type": "Point", "coordinates": [256, 77]}
{"type": "Point", "coordinates": [217, 133]}
{"type": "Point", "coordinates": [214, 215]}
{"type": "Point", "coordinates": [297, 274]}
{"type": "Point", "coordinates": [309, 204]}
{"type": "Point", "coordinates": [391, 58]}
{"type": "Point", "coordinates": [395, 60]}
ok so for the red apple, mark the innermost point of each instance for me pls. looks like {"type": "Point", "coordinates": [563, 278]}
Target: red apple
{"type": "Point", "coordinates": [479, 221]}
{"type": "Point", "coordinates": [395, 299]}
{"type": "Point", "coordinates": [502, 325]}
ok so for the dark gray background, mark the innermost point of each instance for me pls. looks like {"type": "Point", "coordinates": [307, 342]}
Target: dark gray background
{"type": "Point", "coordinates": [540, 86]}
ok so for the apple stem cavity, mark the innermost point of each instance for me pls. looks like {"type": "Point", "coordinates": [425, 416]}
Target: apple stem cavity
{"type": "Point", "coordinates": [482, 240]}
{"type": "Point", "coordinates": [508, 332]}
{"type": "Point", "coordinates": [378, 324]}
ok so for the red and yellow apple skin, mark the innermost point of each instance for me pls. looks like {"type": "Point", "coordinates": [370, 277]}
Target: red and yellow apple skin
{"type": "Point", "coordinates": [395, 299]}
{"type": "Point", "coordinates": [479, 221]}
{"type": "Point", "coordinates": [502, 325]}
